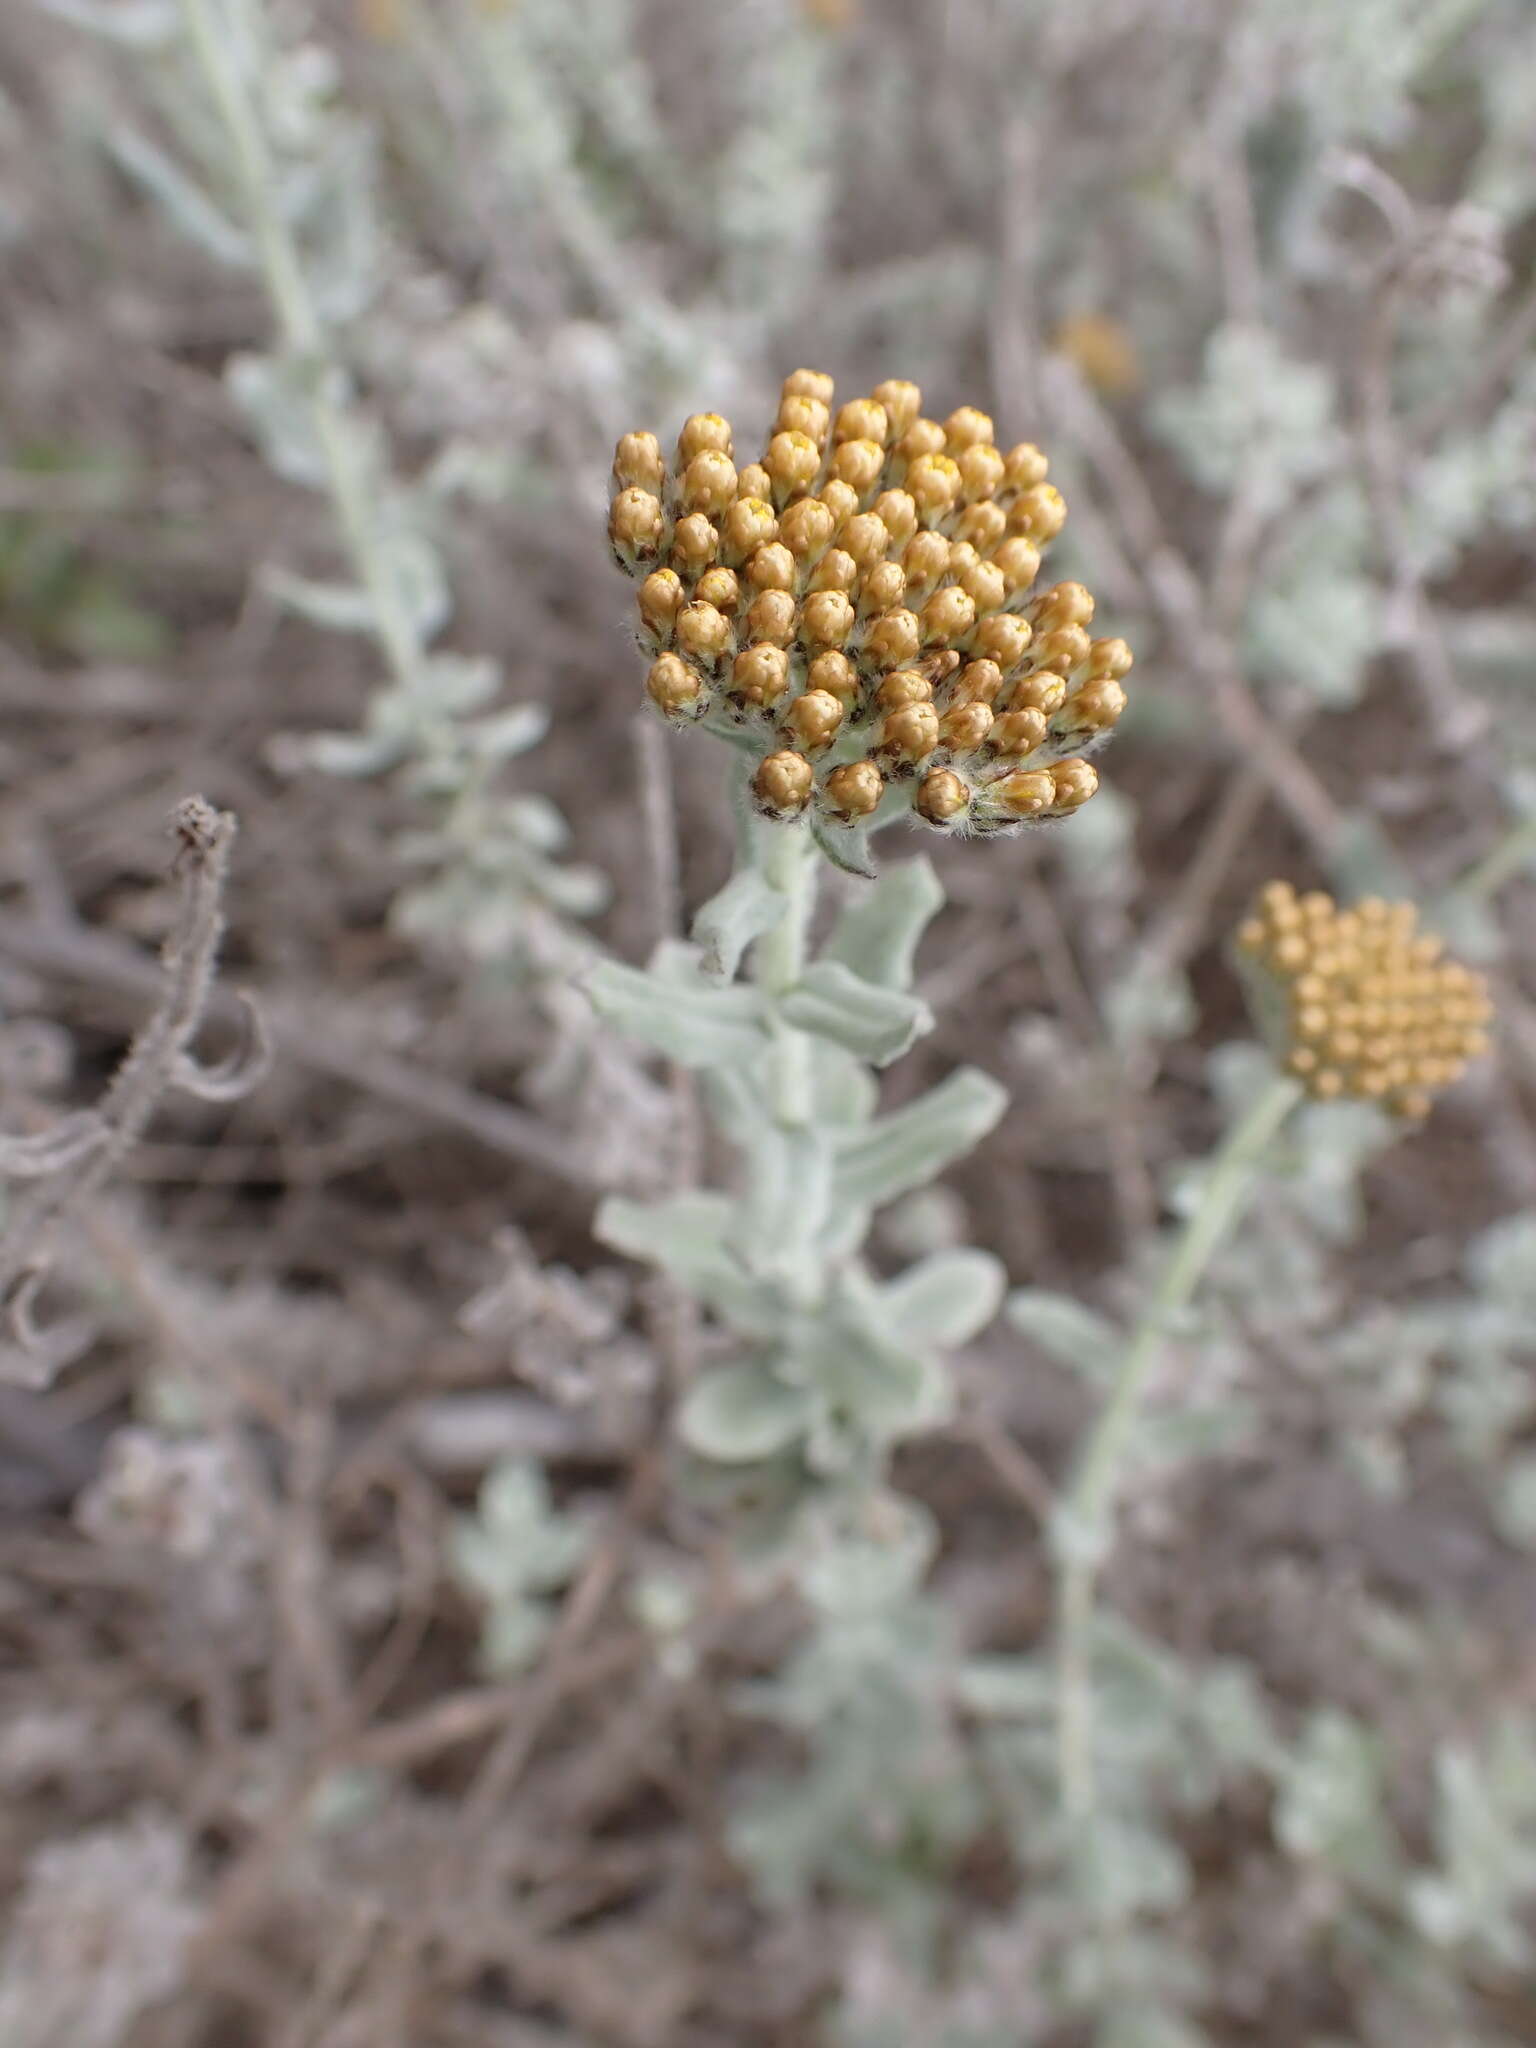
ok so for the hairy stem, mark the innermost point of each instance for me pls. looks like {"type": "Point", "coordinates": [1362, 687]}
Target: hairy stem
{"type": "Point", "coordinates": [788, 861]}
{"type": "Point", "coordinates": [1085, 1525]}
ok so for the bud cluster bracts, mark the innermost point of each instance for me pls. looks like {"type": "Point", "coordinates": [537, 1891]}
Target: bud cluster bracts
{"type": "Point", "coordinates": [863, 605]}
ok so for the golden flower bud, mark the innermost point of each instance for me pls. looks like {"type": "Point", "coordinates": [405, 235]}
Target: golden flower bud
{"type": "Point", "coordinates": [1063, 650]}
{"type": "Point", "coordinates": [1018, 733]}
{"type": "Point", "coordinates": [703, 633]}
{"type": "Point", "coordinates": [813, 720]}
{"type": "Point", "coordinates": [783, 783]}
{"type": "Point", "coordinates": [1040, 513]}
{"type": "Point", "coordinates": [964, 727]}
{"type": "Point", "coordinates": [902, 401]}
{"type": "Point", "coordinates": [1111, 658]}
{"type": "Point", "coordinates": [1096, 707]}
{"type": "Point", "coordinates": [911, 733]}
{"type": "Point", "coordinates": [673, 687]}
{"type": "Point", "coordinates": [754, 482]}
{"type": "Point", "coordinates": [1023, 794]}
{"type": "Point", "coordinates": [942, 797]}
{"type": "Point", "coordinates": [923, 437]}
{"type": "Point", "coordinates": [905, 686]}
{"type": "Point", "coordinates": [801, 415]}
{"type": "Point", "coordinates": [760, 674]}
{"type": "Point", "coordinates": [981, 471]}
{"type": "Point", "coordinates": [771, 617]}
{"type": "Point", "coordinates": [1064, 604]}
{"type": "Point", "coordinates": [694, 543]}
{"type": "Point", "coordinates": [639, 462]}
{"type": "Point", "coordinates": [978, 683]}
{"type": "Point", "coordinates": [966, 428]}
{"type": "Point", "coordinates": [720, 588]}
{"type": "Point", "coordinates": [748, 524]}
{"type": "Point", "coordinates": [1041, 691]}
{"type": "Point", "coordinates": [1024, 467]}
{"type": "Point", "coordinates": [771, 567]}
{"type": "Point", "coordinates": [862, 419]}
{"type": "Point", "coordinates": [708, 483]}
{"type": "Point", "coordinates": [1019, 560]}
{"type": "Point", "coordinates": [893, 640]}
{"type": "Point", "coordinates": [983, 525]}
{"type": "Point", "coordinates": [837, 570]}
{"type": "Point", "coordinates": [1002, 637]}
{"type": "Point", "coordinates": [858, 464]}
{"type": "Point", "coordinates": [834, 673]}
{"type": "Point", "coordinates": [948, 615]}
{"type": "Point", "coordinates": [809, 384]}
{"type": "Point", "coordinates": [840, 499]}
{"type": "Point", "coordinates": [933, 482]}
{"type": "Point", "coordinates": [704, 431]}
{"type": "Point", "coordinates": [855, 789]}
{"type": "Point", "coordinates": [792, 462]}
{"type": "Point", "coordinates": [984, 584]}
{"type": "Point", "coordinates": [660, 599]}
{"type": "Point", "coordinates": [898, 515]}
{"type": "Point", "coordinates": [807, 528]}
{"type": "Point", "coordinates": [635, 523]}
{"type": "Point", "coordinates": [1074, 782]}
{"type": "Point", "coordinates": [882, 588]}
{"type": "Point", "coordinates": [924, 560]}
{"type": "Point", "coordinates": [864, 537]}
{"type": "Point", "coordinates": [962, 556]}
{"type": "Point", "coordinates": [826, 618]}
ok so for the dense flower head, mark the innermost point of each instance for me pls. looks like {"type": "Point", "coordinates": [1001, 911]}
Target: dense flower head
{"type": "Point", "coordinates": [1359, 1002]}
{"type": "Point", "coordinates": [863, 606]}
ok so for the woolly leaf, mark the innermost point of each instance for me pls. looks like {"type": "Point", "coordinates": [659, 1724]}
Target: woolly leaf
{"type": "Point", "coordinates": [911, 1146]}
{"type": "Point", "coordinates": [692, 1023]}
{"type": "Point", "coordinates": [740, 1413]}
{"type": "Point", "coordinates": [946, 1299]}
{"type": "Point", "coordinates": [180, 198]}
{"type": "Point", "coordinates": [876, 937]}
{"type": "Point", "coordinates": [1072, 1334]}
{"type": "Point", "coordinates": [846, 848]}
{"type": "Point", "coordinates": [875, 1024]}
{"type": "Point", "coordinates": [339, 607]}
{"type": "Point", "coordinates": [742, 911]}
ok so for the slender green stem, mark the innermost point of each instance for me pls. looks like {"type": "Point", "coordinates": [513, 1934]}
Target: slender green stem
{"type": "Point", "coordinates": [1502, 861]}
{"type": "Point", "coordinates": [789, 863]}
{"type": "Point", "coordinates": [1086, 1520]}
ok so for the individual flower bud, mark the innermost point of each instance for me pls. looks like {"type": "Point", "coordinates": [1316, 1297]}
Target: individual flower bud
{"type": "Point", "coordinates": [840, 499]}
{"type": "Point", "coordinates": [981, 471]}
{"type": "Point", "coordinates": [703, 633]}
{"type": "Point", "coordinates": [864, 536]}
{"type": "Point", "coordinates": [1039, 513]}
{"type": "Point", "coordinates": [837, 570]}
{"type": "Point", "coordinates": [933, 482]}
{"type": "Point", "coordinates": [635, 523]}
{"type": "Point", "coordinates": [1042, 691]}
{"type": "Point", "coordinates": [834, 673]}
{"type": "Point", "coordinates": [783, 783]}
{"type": "Point", "coordinates": [813, 720]}
{"type": "Point", "coordinates": [881, 588]}
{"type": "Point", "coordinates": [984, 584]}
{"type": "Point", "coordinates": [862, 419]}
{"type": "Point", "coordinates": [1019, 561]}
{"type": "Point", "coordinates": [1096, 707]}
{"type": "Point", "coordinates": [720, 588]}
{"type": "Point", "coordinates": [694, 544]}
{"type": "Point", "coordinates": [1111, 658]}
{"type": "Point", "coordinates": [964, 727]}
{"type": "Point", "coordinates": [854, 790]}
{"type": "Point", "coordinates": [708, 483]}
{"type": "Point", "coordinates": [792, 463]}
{"type": "Point", "coordinates": [674, 688]}
{"type": "Point", "coordinates": [983, 525]}
{"type": "Point", "coordinates": [979, 683]}
{"type": "Point", "coordinates": [807, 528]}
{"type": "Point", "coordinates": [760, 674]}
{"type": "Point", "coordinates": [1018, 733]}
{"type": "Point", "coordinates": [859, 465]}
{"type": "Point", "coordinates": [924, 560]}
{"type": "Point", "coordinates": [1063, 650]}
{"type": "Point", "coordinates": [893, 640]}
{"type": "Point", "coordinates": [923, 437]}
{"type": "Point", "coordinates": [704, 431]}
{"type": "Point", "coordinates": [639, 463]}
{"type": "Point", "coordinates": [911, 733]}
{"type": "Point", "coordinates": [1024, 467]}
{"type": "Point", "coordinates": [808, 416]}
{"type": "Point", "coordinates": [1002, 637]}
{"type": "Point", "coordinates": [771, 567]}
{"type": "Point", "coordinates": [902, 402]}
{"type": "Point", "coordinates": [1074, 782]}
{"type": "Point", "coordinates": [906, 686]}
{"type": "Point", "coordinates": [962, 556]}
{"type": "Point", "coordinates": [661, 598]}
{"type": "Point", "coordinates": [809, 384]}
{"type": "Point", "coordinates": [948, 615]}
{"type": "Point", "coordinates": [748, 524]}
{"type": "Point", "coordinates": [942, 797]}
{"type": "Point", "coordinates": [966, 428]}
{"type": "Point", "coordinates": [826, 618]}
{"type": "Point", "coordinates": [898, 515]}
{"type": "Point", "coordinates": [1024, 794]}
{"type": "Point", "coordinates": [1064, 604]}
{"type": "Point", "coordinates": [771, 617]}
{"type": "Point", "coordinates": [754, 482]}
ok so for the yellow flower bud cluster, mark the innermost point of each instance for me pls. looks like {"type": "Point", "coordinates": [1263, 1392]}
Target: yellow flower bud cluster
{"type": "Point", "coordinates": [1359, 1002]}
{"type": "Point", "coordinates": [862, 602]}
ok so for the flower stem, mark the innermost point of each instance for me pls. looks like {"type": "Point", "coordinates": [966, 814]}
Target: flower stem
{"type": "Point", "coordinates": [788, 862]}
{"type": "Point", "coordinates": [1085, 1524]}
